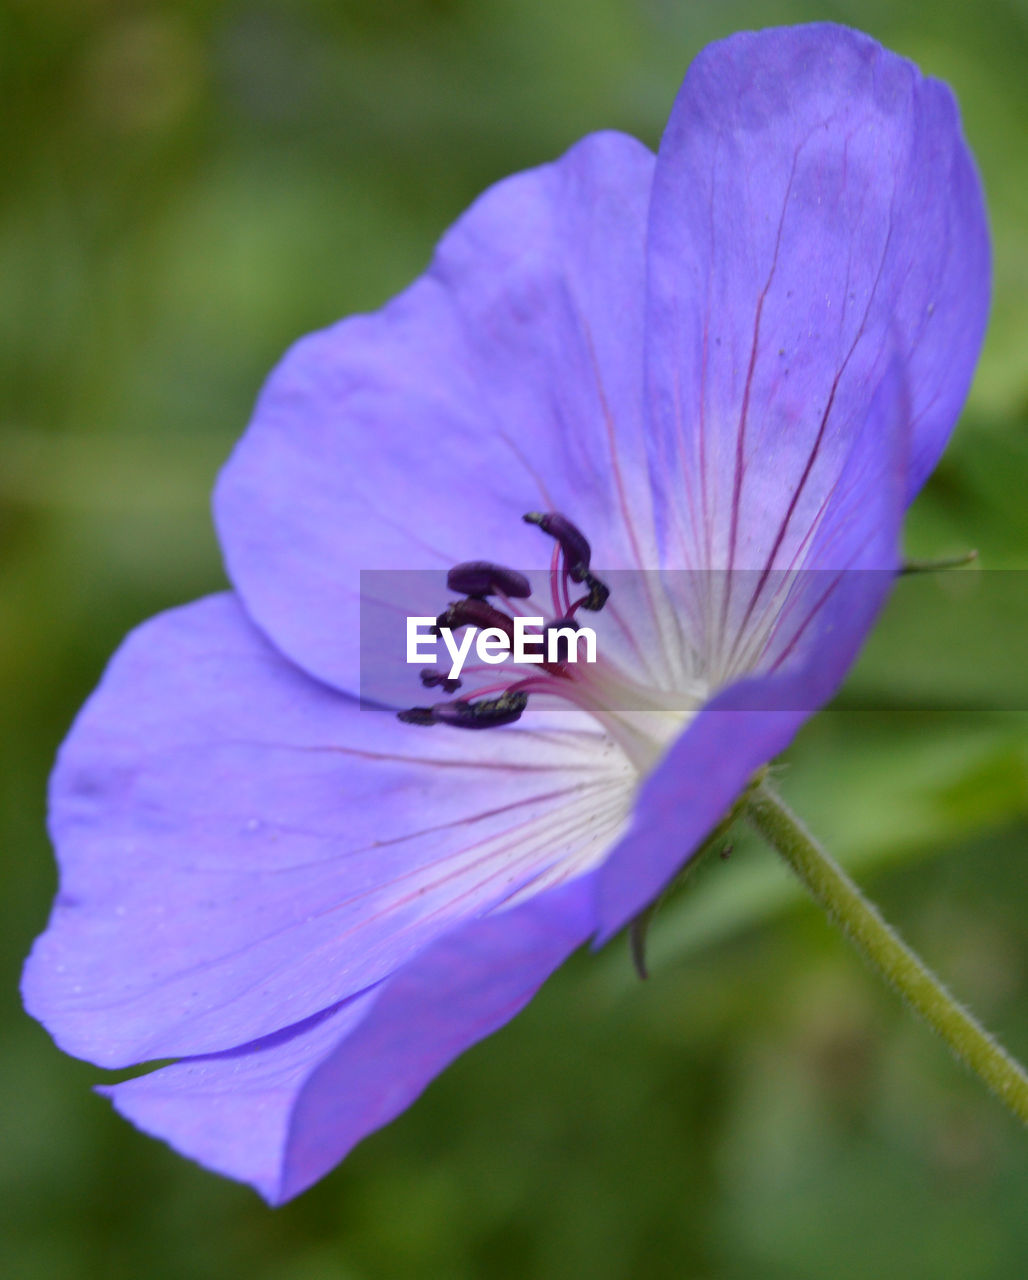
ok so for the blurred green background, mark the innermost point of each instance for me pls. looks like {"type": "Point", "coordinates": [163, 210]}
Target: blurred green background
{"type": "Point", "coordinates": [187, 188]}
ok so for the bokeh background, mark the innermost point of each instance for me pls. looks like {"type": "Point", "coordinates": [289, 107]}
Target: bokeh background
{"type": "Point", "coordinates": [185, 189]}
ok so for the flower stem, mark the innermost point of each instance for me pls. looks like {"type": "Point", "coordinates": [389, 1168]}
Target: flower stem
{"type": "Point", "coordinates": [885, 950]}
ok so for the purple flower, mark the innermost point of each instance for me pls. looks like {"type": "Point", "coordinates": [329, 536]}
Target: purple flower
{"type": "Point", "coordinates": [739, 359]}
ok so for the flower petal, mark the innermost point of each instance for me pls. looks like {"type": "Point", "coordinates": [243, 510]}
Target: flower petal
{"type": "Point", "coordinates": [242, 847]}
{"type": "Point", "coordinates": [506, 379]}
{"type": "Point", "coordinates": [819, 628]}
{"type": "Point", "coordinates": [815, 212]}
{"type": "Point", "coordinates": [282, 1113]}
{"type": "Point", "coordinates": [231, 1111]}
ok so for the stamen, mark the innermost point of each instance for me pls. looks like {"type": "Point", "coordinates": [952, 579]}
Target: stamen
{"type": "Point", "coordinates": [433, 679]}
{"type": "Point", "coordinates": [573, 541]}
{"type": "Point", "coordinates": [563, 642]}
{"type": "Point", "coordinates": [481, 578]}
{"type": "Point", "coordinates": [558, 582]}
{"type": "Point", "coordinates": [599, 594]}
{"type": "Point", "coordinates": [503, 702]}
{"type": "Point", "coordinates": [474, 613]}
{"type": "Point", "coordinates": [483, 714]}
{"type": "Point", "coordinates": [487, 713]}
{"type": "Point", "coordinates": [417, 715]}
{"type": "Point", "coordinates": [577, 555]}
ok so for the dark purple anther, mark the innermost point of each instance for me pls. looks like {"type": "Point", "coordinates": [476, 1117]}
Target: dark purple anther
{"type": "Point", "coordinates": [480, 578]}
{"type": "Point", "coordinates": [474, 613]}
{"type": "Point", "coordinates": [417, 715]}
{"type": "Point", "coordinates": [573, 542]}
{"type": "Point", "coordinates": [487, 713]}
{"type": "Point", "coordinates": [433, 679]}
{"type": "Point", "coordinates": [563, 642]}
{"type": "Point", "coordinates": [599, 593]}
